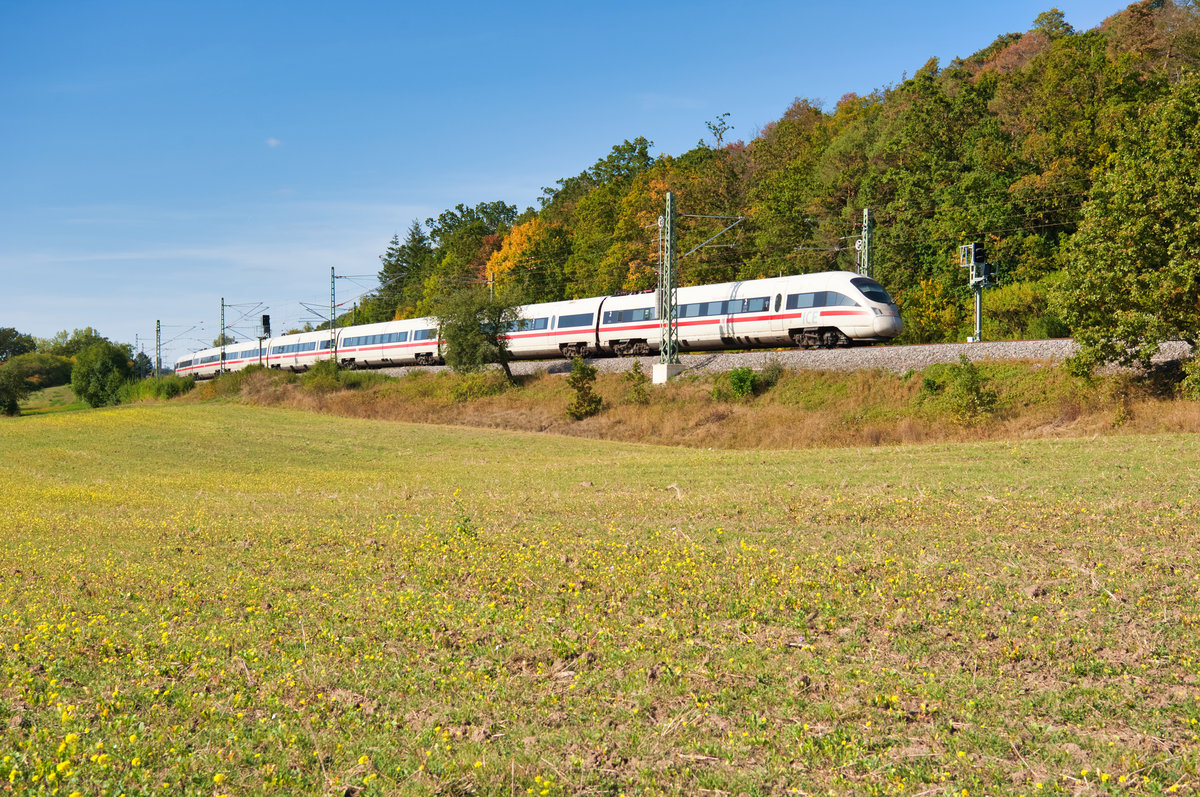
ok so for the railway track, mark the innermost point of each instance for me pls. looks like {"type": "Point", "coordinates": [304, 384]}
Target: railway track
{"type": "Point", "coordinates": [898, 359]}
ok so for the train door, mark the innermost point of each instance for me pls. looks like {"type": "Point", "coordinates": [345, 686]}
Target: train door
{"type": "Point", "coordinates": [729, 311]}
{"type": "Point", "coordinates": [778, 323]}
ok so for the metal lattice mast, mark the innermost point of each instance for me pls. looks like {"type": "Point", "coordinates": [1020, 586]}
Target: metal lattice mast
{"type": "Point", "coordinates": [865, 267]}
{"type": "Point", "coordinates": [221, 337]}
{"type": "Point", "coordinates": [668, 305]}
{"type": "Point", "coordinates": [158, 348]}
{"type": "Point", "coordinates": [332, 304]}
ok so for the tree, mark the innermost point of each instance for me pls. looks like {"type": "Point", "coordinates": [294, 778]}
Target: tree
{"type": "Point", "coordinates": [99, 372]}
{"type": "Point", "coordinates": [403, 272]}
{"type": "Point", "coordinates": [473, 325]}
{"type": "Point", "coordinates": [142, 366]}
{"type": "Point", "coordinates": [586, 402]}
{"type": "Point", "coordinates": [13, 388]}
{"type": "Point", "coordinates": [69, 345]}
{"type": "Point", "coordinates": [13, 343]}
{"type": "Point", "coordinates": [224, 339]}
{"type": "Point", "coordinates": [1133, 271]}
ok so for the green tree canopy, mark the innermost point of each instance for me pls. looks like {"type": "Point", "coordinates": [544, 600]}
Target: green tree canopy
{"type": "Point", "coordinates": [13, 388]}
{"type": "Point", "coordinates": [13, 343]}
{"type": "Point", "coordinates": [66, 344]}
{"type": "Point", "coordinates": [99, 372]}
{"type": "Point", "coordinates": [1133, 273]}
{"type": "Point", "coordinates": [473, 323]}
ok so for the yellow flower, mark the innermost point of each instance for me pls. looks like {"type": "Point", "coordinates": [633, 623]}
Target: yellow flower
{"type": "Point", "coordinates": [219, 778]}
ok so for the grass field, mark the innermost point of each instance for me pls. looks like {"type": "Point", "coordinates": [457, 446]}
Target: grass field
{"type": "Point", "coordinates": [211, 598]}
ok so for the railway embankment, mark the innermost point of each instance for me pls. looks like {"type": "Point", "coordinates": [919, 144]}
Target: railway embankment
{"type": "Point", "coordinates": [767, 400]}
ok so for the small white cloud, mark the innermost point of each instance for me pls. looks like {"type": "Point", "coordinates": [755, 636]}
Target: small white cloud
{"type": "Point", "coordinates": [272, 142]}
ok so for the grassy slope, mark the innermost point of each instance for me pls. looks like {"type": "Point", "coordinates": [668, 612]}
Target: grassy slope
{"type": "Point", "coordinates": [805, 409]}
{"type": "Point", "coordinates": [52, 399]}
{"type": "Point", "coordinates": [250, 600]}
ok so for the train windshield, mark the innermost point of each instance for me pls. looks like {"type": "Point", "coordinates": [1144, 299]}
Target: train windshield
{"type": "Point", "coordinates": [871, 289]}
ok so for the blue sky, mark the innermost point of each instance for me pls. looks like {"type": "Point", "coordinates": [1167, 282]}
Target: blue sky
{"type": "Point", "coordinates": [158, 156]}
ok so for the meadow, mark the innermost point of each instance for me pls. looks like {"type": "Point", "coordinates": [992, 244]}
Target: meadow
{"type": "Point", "coordinates": [212, 598]}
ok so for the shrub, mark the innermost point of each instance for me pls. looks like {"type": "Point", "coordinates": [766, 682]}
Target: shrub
{"type": "Point", "coordinates": [357, 380]}
{"type": "Point", "coordinates": [230, 384]}
{"type": "Point", "coordinates": [1189, 388]}
{"type": "Point", "coordinates": [772, 372]}
{"type": "Point", "coordinates": [322, 377]}
{"type": "Point", "coordinates": [742, 382]}
{"type": "Point", "coordinates": [156, 389]}
{"type": "Point", "coordinates": [13, 388]}
{"type": "Point", "coordinates": [99, 372]}
{"type": "Point", "coordinates": [586, 402]}
{"type": "Point", "coordinates": [967, 393]}
{"type": "Point", "coordinates": [478, 384]}
{"type": "Point", "coordinates": [42, 370]}
{"type": "Point", "coordinates": [638, 383]}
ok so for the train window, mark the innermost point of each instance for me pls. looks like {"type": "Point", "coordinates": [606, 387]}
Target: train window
{"type": "Point", "coordinates": [835, 299]}
{"type": "Point", "coordinates": [325, 344]}
{"type": "Point", "coordinates": [626, 316]}
{"type": "Point", "coordinates": [871, 289]}
{"type": "Point", "coordinates": [526, 324]}
{"type": "Point", "coordinates": [423, 334]}
{"type": "Point", "coordinates": [690, 310]}
{"type": "Point", "coordinates": [576, 320]}
{"type": "Point", "coordinates": [757, 305]}
{"type": "Point", "coordinates": [778, 301]}
{"type": "Point", "coordinates": [713, 308]}
{"type": "Point", "coordinates": [802, 301]}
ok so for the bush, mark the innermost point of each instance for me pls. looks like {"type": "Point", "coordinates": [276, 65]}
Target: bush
{"type": "Point", "coordinates": [967, 393]}
{"type": "Point", "coordinates": [322, 377]}
{"type": "Point", "coordinates": [43, 370]}
{"type": "Point", "coordinates": [156, 389]}
{"type": "Point", "coordinates": [586, 402]}
{"type": "Point", "coordinates": [638, 383]}
{"type": "Point", "coordinates": [13, 388]}
{"type": "Point", "coordinates": [99, 372]}
{"type": "Point", "coordinates": [772, 372]}
{"type": "Point", "coordinates": [357, 380]}
{"type": "Point", "coordinates": [742, 381]}
{"type": "Point", "coordinates": [735, 384]}
{"type": "Point", "coordinates": [960, 389]}
{"type": "Point", "coordinates": [477, 385]}
{"type": "Point", "coordinates": [1189, 388]}
{"type": "Point", "coordinates": [230, 383]}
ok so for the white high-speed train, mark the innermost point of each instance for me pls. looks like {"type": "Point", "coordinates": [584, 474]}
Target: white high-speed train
{"type": "Point", "coordinates": [833, 308]}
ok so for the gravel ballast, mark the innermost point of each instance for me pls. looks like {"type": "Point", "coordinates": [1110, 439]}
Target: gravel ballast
{"type": "Point", "coordinates": [898, 359]}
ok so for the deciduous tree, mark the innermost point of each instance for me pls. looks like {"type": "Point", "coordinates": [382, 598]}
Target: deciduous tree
{"type": "Point", "coordinates": [99, 372]}
{"type": "Point", "coordinates": [13, 343]}
{"type": "Point", "coordinates": [473, 326]}
{"type": "Point", "coordinates": [1133, 272]}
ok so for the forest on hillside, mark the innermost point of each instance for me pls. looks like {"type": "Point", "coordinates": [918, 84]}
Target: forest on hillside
{"type": "Point", "coordinates": [1011, 146]}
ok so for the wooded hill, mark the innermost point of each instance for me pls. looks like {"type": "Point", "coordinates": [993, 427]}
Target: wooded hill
{"type": "Point", "coordinates": [1003, 146]}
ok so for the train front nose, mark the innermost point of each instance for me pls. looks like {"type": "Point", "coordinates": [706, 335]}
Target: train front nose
{"type": "Point", "coordinates": [889, 325]}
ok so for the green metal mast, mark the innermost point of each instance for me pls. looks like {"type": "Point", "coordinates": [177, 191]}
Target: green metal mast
{"type": "Point", "coordinates": [668, 304]}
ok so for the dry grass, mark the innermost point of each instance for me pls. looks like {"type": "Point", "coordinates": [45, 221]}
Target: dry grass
{"type": "Point", "coordinates": [803, 410]}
